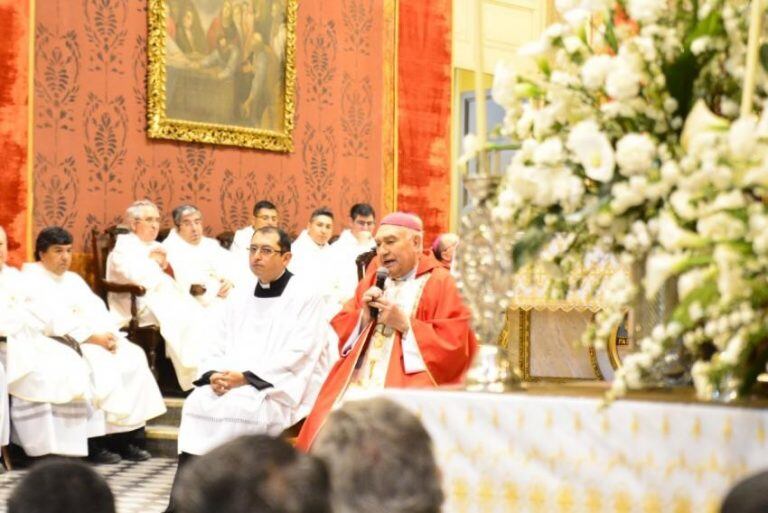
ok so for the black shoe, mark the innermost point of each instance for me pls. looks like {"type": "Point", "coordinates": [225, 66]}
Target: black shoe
{"type": "Point", "coordinates": [104, 457]}
{"type": "Point", "coordinates": [134, 453]}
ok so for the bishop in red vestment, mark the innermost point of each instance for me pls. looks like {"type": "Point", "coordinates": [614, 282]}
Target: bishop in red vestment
{"type": "Point", "coordinates": [421, 337]}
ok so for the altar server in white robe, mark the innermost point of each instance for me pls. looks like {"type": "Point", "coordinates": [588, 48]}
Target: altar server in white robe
{"type": "Point", "coordinates": [9, 298]}
{"type": "Point", "coordinates": [270, 361]}
{"type": "Point", "coordinates": [200, 265]}
{"type": "Point", "coordinates": [49, 381]}
{"type": "Point", "coordinates": [123, 388]}
{"type": "Point", "coordinates": [139, 259]}
{"type": "Point", "coordinates": [270, 358]}
{"type": "Point", "coordinates": [352, 242]}
{"type": "Point", "coordinates": [264, 214]}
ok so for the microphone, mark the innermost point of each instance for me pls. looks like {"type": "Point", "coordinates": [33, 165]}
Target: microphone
{"type": "Point", "coordinates": [381, 277]}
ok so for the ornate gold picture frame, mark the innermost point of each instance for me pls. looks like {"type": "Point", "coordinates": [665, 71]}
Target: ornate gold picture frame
{"type": "Point", "coordinates": [223, 72]}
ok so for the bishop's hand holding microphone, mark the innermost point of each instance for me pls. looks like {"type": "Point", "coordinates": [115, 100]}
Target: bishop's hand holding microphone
{"type": "Point", "coordinates": [379, 309]}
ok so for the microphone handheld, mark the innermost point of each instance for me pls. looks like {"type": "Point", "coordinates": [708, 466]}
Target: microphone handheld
{"type": "Point", "coordinates": [381, 277]}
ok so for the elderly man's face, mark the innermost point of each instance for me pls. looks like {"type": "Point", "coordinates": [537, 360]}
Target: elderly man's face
{"type": "Point", "coordinates": [3, 248]}
{"type": "Point", "coordinates": [191, 228]}
{"type": "Point", "coordinates": [320, 229]}
{"type": "Point", "coordinates": [265, 259]}
{"type": "Point", "coordinates": [57, 258]}
{"type": "Point", "coordinates": [265, 217]}
{"type": "Point", "coordinates": [147, 226]}
{"type": "Point", "coordinates": [398, 249]}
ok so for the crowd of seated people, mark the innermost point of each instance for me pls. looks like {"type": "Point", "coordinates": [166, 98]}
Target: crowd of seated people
{"type": "Point", "coordinates": [80, 388]}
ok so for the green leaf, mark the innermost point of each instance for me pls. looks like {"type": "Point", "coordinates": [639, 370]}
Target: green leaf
{"type": "Point", "coordinates": [680, 76]}
{"type": "Point", "coordinates": [704, 295]}
{"type": "Point", "coordinates": [764, 55]}
{"type": "Point", "coordinates": [529, 246]}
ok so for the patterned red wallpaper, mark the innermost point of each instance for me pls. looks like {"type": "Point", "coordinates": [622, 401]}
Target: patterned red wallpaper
{"type": "Point", "coordinates": [93, 158]}
{"type": "Point", "coordinates": [14, 93]}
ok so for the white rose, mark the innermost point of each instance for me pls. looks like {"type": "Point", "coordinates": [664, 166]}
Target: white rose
{"type": "Point", "coordinates": [573, 44]}
{"type": "Point", "coordinates": [594, 71]}
{"type": "Point", "coordinates": [690, 281]}
{"type": "Point", "coordinates": [673, 237]}
{"type": "Point", "coordinates": [700, 45]}
{"type": "Point", "coordinates": [635, 154]}
{"type": "Point", "coordinates": [625, 196]}
{"type": "Point", "coordinates": [658, 268]}
{"type": "Point", "coordinates": [593, 150]}
{"type": "Point", "coordinates": [549, 153]}
{"type": "Point", "coordinates": [534, 48]}
{"type": "Point", "coordinates": [742, 137]}
{"type": "Point", "coordinates": [622, 83]}
{"type": "Point", "coordinates": [721, 227]}
{"type": "Point", "coordinates": [647, 11]}
{"type": "Point", "coordinates": [556, 30]}
{"type": "Point", "coordinates": [699, 122]}
{"type": "Point", "coordinates": [577, 17]}
{"type": "Point", "coordinates": [758, 230]}
{"type": "Point", "coordinates": [504, 82]}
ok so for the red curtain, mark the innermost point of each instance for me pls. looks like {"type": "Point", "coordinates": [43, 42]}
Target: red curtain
{"type": "Point", "coordinates": [14, 92]}
{"type": "Point", "coordinates": [424, 112]}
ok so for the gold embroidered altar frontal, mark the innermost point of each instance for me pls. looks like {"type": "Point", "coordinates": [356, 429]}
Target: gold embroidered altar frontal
{"type": "Point", "coordinates": [531, 453]}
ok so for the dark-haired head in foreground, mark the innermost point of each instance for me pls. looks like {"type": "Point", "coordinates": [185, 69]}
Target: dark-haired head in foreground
{"type": "Point", "coordinates": [380, 460]}
{"type": "Point", "coordinates": [748, 495]}
{"type": "Point", "coordinates": [253, 474]}
{"type": "Point", "coordinates": [61, 486]}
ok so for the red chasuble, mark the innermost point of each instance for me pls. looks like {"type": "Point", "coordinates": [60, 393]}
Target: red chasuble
{"type": "Point", "coordinates": [441, 326]}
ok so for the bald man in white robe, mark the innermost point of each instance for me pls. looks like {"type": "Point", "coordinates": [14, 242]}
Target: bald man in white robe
{"type": "Point", "coordinates": [138, 259]}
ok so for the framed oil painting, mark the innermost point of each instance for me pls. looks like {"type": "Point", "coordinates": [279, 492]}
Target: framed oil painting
{"type": "Point", "coordinates": [223, 71]}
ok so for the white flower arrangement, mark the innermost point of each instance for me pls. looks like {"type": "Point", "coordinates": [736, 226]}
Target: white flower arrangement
{"type": "Point", "coordinates": [629, 143]}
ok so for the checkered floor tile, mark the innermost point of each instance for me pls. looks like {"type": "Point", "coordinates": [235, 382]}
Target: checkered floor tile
{"type": "Point", "coordinates": [138, 487]}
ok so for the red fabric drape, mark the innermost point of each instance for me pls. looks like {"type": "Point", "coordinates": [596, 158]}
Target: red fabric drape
{"type": "Point", "coordinates": [424, 112]}
{"type": "Point", "coordinates": [14, 92]}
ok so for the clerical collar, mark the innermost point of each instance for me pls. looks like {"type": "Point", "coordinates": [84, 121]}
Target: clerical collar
{"type": "Point", "coordinates": [274, 288]}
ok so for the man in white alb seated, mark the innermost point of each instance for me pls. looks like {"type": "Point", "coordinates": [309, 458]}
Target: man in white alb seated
{"type": "Point", "coordinates": [269, 361]}
{"type": "Point", "coordinates": [200, 265]}
{"type": "Point", "coordinates": [264, 214]}
{"type": "Point", "coordinates": [352, 242]}
{"type": "Point", "coordinates": [139, 259]}
{"type": "Point", "coordinates": [123, 391]}
{"type": "Point", "coordinates": [9, 299]}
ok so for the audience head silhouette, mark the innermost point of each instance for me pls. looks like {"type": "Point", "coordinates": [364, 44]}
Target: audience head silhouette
{"type": "Point", "coordinates": [253, 474]}
{"type": "Point", "coordinates": [380, 460]}
{"type": "Point", "coordinates": [62, 487]}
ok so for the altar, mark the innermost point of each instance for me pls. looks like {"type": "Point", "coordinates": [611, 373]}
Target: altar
{"type": "Point", "coordinates": [556, 449]}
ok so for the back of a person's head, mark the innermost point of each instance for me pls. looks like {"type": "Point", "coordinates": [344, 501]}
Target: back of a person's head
{"type": "Point", "coordinates": [748, 495]}
{"type": "Point", "coordinates": [380, 459]}
{"type": "Point", "coordinates": [62, 487]}
{"type": "Point", "coordinates": [253, 474]}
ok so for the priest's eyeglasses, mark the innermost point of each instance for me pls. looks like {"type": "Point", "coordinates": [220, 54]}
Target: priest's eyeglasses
{"type": "Point", "coordinates": [267, 251]}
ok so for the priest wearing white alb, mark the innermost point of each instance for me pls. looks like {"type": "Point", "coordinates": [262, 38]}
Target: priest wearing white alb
{"type": "Point", "coordinates": [269, 361]}
{"type": "Point", "coordinates": [139, 259]}
{"type": "Point", "coordinates": [352, 242]}
{"type": "Point", "coordinates": [123, 390]}
{"type": "Point", "coordinates": [264, 214]}
{"type": "Point", "coordinates": [200, 265]}
{"type": "Point", "coordinates": [312, 258]}
{"type": "Point", "coordinates": [9, 293]}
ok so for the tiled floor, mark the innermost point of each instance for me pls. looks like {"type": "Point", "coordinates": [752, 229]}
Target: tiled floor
{"type": "Point", "coordinates": [138, 487]}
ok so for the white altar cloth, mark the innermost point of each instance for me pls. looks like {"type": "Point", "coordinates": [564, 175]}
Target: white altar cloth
{"type": "Point", "coordinates": [522, 453]}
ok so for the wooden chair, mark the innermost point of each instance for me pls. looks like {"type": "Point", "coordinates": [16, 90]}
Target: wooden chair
{"type": "Point", "coordinates": [147, 337]}
{"type": "Point", "coordinates": [225, 239]}
{"type": "Point", "coordinates": [362, 261]}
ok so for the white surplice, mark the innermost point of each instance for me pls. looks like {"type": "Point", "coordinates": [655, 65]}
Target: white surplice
{"type": "Point", "coordinates": [344, 253]}
{"type": "Point", "coordinates": [205, 263]}
{"type": "Point", "coordinates": [9, 322]}
{"type": "Point", "coordinates": [50, 383]}
{"type": "Point", "coordinates": [239, 251]}
{"type": "Point", "coordinates": [278, 339]}
{"type": "Point", "coordinates": [183, 322]}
